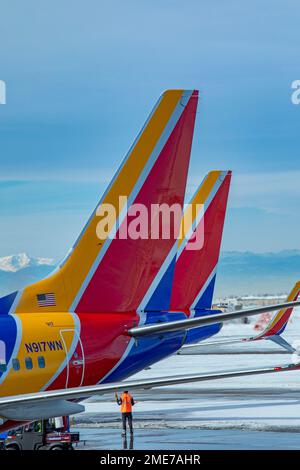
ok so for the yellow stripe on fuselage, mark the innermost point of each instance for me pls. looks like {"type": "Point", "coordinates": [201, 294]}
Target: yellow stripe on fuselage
{"type": "Point", "coordinates": [40, 330]}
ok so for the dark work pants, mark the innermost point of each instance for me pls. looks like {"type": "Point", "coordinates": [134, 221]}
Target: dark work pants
{"type": "Point", "coordinates": [127, 417]}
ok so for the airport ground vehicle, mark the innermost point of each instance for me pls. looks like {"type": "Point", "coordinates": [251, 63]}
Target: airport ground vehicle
{"type": "Point", "coordinates": [41, 435]}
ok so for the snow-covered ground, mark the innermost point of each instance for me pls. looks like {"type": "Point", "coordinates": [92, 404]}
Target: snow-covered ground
{"type": "Point", "coordinates": [258, 403]}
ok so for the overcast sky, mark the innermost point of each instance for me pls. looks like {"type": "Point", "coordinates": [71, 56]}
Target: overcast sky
{"type": "Point", "coordinates": [82, 76]}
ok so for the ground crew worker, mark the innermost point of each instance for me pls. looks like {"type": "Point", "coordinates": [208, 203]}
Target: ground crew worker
{"type": "Point", "coordinates": [126, 402]}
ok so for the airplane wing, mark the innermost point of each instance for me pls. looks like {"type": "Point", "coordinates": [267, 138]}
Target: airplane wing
{"type": "Point", "coordinates": [47, 404]}
{"type": "Point", "coordinates": [227, 342]}
{"type": "Point", "coordinates": [178, 325]}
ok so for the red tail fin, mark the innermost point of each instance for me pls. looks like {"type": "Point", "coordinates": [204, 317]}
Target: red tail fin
{"type": "Point", "coordinates": [195, 269]}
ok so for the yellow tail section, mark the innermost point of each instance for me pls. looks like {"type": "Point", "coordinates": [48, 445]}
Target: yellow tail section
{"type": "Point", "coordinates": [58, 291]}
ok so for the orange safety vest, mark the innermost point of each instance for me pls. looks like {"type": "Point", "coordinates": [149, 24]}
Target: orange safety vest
{"type": "Point", "coordinates": [126, 406]}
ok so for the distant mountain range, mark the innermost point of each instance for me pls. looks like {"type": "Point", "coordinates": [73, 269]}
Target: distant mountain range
{"type": "Point", "coordinates": [21, 261]}
{"type": "Point", "coordinates": [238, 272]}
{"type": "Point", "coordinates": [19, 270]}
{"type": "Point", "coordinates": [257, 273]}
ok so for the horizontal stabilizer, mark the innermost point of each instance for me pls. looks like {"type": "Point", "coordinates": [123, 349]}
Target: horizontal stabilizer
{"type": "Point", "coordinates": [179, 325]}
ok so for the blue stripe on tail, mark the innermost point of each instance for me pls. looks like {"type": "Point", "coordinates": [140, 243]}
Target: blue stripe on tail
{"type": "Point", "coordinates": [161, 297]}
{"type": "Point", "coordinates": [7, 302]}
{"type": "Point", "coordinates": [206, 299]}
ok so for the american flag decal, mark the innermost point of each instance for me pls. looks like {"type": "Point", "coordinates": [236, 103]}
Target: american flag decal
{"type": "Point", "coordinates": [46, 300]}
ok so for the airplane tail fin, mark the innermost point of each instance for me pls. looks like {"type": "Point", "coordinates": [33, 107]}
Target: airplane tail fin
{"type": "Point", "coordinates": [198, 252]}
{"type": "Point", "coordinates": [278, 324]}
{"type": "Point", "coordinates": [110, 269]}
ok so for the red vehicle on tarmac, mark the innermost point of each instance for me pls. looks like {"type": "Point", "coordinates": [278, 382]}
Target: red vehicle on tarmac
{"type": "Point", "coordinates": [50, 434]}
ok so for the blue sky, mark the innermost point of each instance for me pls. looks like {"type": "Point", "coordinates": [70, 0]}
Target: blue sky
{"type": "Point", "coordinates": [81, 78]}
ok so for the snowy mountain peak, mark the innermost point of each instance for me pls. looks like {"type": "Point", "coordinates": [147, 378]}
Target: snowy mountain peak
{"type": "Point", "coordinates": [20, 261]}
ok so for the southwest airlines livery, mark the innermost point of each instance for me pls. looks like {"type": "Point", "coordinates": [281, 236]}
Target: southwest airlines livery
{"type": "Point", "coordinates": [119, 303]}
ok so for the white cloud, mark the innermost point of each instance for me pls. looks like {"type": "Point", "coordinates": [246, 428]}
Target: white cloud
{"type": "Point", "coordinates": [266, 184]}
